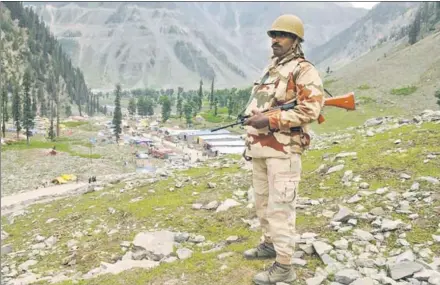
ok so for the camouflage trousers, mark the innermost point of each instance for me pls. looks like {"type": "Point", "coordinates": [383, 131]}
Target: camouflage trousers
{"type": "Point", "coordinates": [275, 182]}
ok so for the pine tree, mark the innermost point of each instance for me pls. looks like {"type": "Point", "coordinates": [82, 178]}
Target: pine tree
{"type": "Point", "coordinates": [415, 29]}
{"type": "Point", "coordinates": [117, 114]}
{"type": "Point", "coordinates": [211, 97]}
{"type": "Point", "coordinates": [437, 95]}
{"type": "Point", "coordinates": [215, 106]}
{"type": "Point", "coordinates": [5, 115]}
{"type": "Point", "coordinates": [28, 115]}
{"type": "Point", "coordinates": [230, 106]}
{"type": "Point", "coordinates": [179, 107]}
{"type": "Point", "coordinates": [166, 108]}
{"type": "Point", "coordinates": [187, 109]}
{"type": "Point", "coordinates": [16, 109]}
{"type": "Point", "coordinates": [132, 106]}
{"type": "Point", "coordinates": [34, 101]}
{"type": "Point", "coordinates": [200, 97]}
{"type": "Point", "coordinates": [68, 110]}
{"type": "Point", "coordinates": [149, 107]}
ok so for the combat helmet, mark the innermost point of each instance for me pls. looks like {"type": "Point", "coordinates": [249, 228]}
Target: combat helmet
{"type": "Point", "coordinates": [290, 24]}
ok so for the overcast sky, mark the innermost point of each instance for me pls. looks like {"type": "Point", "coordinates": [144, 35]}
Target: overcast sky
{"type": "Point", "coordinates": [366, 5]}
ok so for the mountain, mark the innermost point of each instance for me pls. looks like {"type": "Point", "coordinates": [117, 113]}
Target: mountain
{"type": "Point", "coordinates": [387, 22]}
{"type": "Point", "coordinates": [27, 44]}
{"type": "Point", "coordinates": [171, 44]}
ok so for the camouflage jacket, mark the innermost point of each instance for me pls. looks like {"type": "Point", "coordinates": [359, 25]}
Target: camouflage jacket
{"type": "Point", "coordinates": [290, 79]}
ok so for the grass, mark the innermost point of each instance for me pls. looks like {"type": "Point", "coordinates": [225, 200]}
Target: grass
{"type": "Point", "coordinates": [62, 144]}
{"type": "Point", "coordinates": [328, 82]}
{"type": "Point", "coordinates": [339, 119]}
{"type": "Point", "coordinates": [363, 87]}
{"type": "Point", "coordinates": [74, 124]}
{"type": "Point", "coordinates": [172, 210]}
{"type": "Point", "coordinates": [404, 91]}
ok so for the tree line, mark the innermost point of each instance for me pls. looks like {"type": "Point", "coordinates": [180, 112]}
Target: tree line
{"type": "Point", "coordinates": [35, 69]}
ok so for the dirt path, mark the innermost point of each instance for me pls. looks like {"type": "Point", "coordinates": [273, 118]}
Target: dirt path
{"type": "Point", "coordinates": [19, 201]}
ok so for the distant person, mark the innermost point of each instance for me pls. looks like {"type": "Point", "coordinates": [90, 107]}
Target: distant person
{"type": "Point", "coordinates": [275, 143]}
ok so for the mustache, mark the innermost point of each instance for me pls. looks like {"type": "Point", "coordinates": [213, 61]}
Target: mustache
{"type": "Point", "coordinates": [276, 45]}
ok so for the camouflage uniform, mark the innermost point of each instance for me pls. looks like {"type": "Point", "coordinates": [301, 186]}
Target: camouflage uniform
{"type": "Point", "coordinates": [276, 150]}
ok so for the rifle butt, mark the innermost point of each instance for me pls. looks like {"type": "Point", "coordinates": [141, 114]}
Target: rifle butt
{"type": "Point", "coordinates": [345, 101]}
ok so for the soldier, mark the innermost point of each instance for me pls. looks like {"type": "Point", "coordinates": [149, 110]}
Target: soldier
{"type": "Point", "coordinates": [276, 141]}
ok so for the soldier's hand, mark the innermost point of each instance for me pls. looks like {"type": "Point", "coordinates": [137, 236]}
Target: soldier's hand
{"type": "Point", "coordinates": [258, 120]}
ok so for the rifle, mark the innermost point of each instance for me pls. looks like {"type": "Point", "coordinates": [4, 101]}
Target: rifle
{"type": "Point", "coordinates": [346, 102]}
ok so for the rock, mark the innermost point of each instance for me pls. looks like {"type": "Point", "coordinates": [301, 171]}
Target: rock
{"type": "Point", "coordinates": [335, 168]}
{"type": "Point", "coordinates": [159, 243]}
{"type": "Point", "coordinates": [378, 211]}
{"type": "Point", "coordinates": [307, 248]}
{"type": "Point", "coordinates": [321, 248]}
{"type": "Point", "coordinates": [346, 276]}
{"type": "Point", "coordinates": [181, 237]}
{"type": "Point", "coordinates": [343, 215]}
{"type": "Point", "coordinates": [6, 249]}
{"type": "Point", "coordinates": [211, 185]}
{"type": "Point", "coordinates": [123, 265]}
{"type": "Point", "coordinates": [429, 179]}
{"type": "Point", "coordinates": [317, 280]}
{"type": "Point", "coordinates": [25, 265]}
{"type": "Point", "coordinates": [197, 239]}
{"type": "Point", "coordinates": [299, 261]}
{"type": "Point", "coordinates": [197, 206]}
{"type": "Point", "coordinates": [415, 186]}
{"type": "Point", "coordinates": [341, 244]}
{"type": "Point", "coordinates": [225, 255]}
{"type": "Point", "coordinates": [404, 269]}
{"type": "Point", "coordinates": [39, 238]}
{"type": "Point", "coordinates": [356, 198]}
{"type": "Point", "coordinates": [138, 255]}
{"type": "Point", "coordinates": [381, 191]}
{"type": "Point", "coordinates": [389, 225]}
{"type": "Point", "coordinates": [51, 220]}
{"type": "Point", "coordinates": [425, 275]}
{"type": "Point", "coordinates": [227, 204]}
{"type": "Point", "coordinates": [373, 122]}
{"type": "Point", "coordinates": [69, 260]}
{"type": "Point", "coordinates": [363, 235]}
{"type": "Point", "coordinates": [405, 176]}
{"type": "Point", "coordinates": [232, 239]}
{"type": "Point", "coordinates": [436, 238]}
{"type": "Point", "coordinates": [364, 185]}
{"type": "Point", "coordinates": [184, 253]}
{"type": "Point", "coordinates": [406, 256]}
{"type": "Point", "coordinates": [363, 281]}
{"type": "Point", "coordinates": [211, 205]}
{"type": "Point", "coordinates": [51, 241]}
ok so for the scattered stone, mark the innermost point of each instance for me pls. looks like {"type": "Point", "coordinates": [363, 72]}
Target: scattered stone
{"type": "Point", "coordinates": [321, 248]}
{"type": "Point", "coordinates": [197, 206]}
{"type": "Point", "coordinates": [225, 255]}
{"type": "Point", "coordinates": [404, 269]}
{"type": "Point", "coordinates": [356, 198]}
{"type": "Point", "coordinates": [299, 261]}
{"type": "Point", "coordinates": [232, 239]}
{"type": "Point", "coordinates": [25, 265]}
{"type": "Point", "coordinates": [227, 204]}
{"type": "Point", "coordinates": [335, 168]}
{"type": "Point", "coordinates": [346, 276]}
{"type": "Point", "coordinates": [363, 235]}
{"type": "Point", "coordinates": [211, 205]}
{"type": "Point", "coordinates": [211, 185]}
{"type": "Point", "coordinates": [341, 244]}
{"type": "Point", "coordinates": [159, 243]}
{"type": "Point", "coordinates": [181, 237]}
{"type": "Point", "coordinates": [6, 249]}
{"type": "Point", "coordinates": [363, 281]}
{"type": "Point", "coordinates": [343, 215]}
{"type": "Point", "coordinates": [184, 253]}
{"type": "Point", "coordinates": [317, 280]}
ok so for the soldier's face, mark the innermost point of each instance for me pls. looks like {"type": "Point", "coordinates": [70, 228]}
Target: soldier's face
{"type": "Point", "coordinates": [282, 42]}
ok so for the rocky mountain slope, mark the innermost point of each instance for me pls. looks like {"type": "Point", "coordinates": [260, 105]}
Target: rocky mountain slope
{"type": "Point", "coordinates": [166, 45]}
{"type": "Point", "coordinates": [387, 22]}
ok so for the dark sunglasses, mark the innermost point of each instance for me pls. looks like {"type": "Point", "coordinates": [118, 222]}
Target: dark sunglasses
{"type": "Point", "coordinates": [279, 34]}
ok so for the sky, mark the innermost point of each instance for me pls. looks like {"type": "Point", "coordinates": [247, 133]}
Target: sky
{"type": "Point", "coordinates": [366, 5]}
